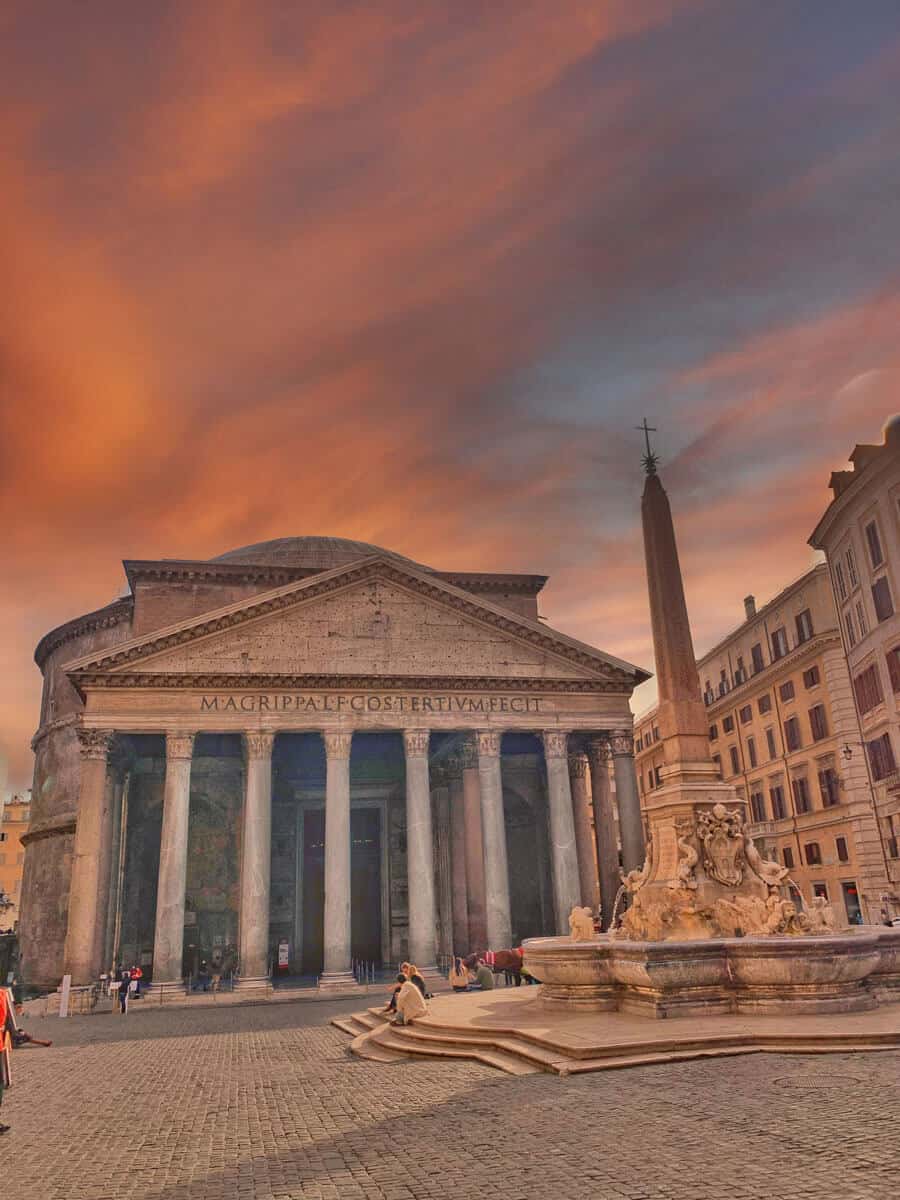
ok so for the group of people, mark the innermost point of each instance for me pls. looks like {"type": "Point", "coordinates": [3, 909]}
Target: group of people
{"type": "Point", "coordinates": [461, 979]}
{"type": "Point", "coordinates": [129, 981]}
{"type": "Point", "coordinates": [409, 995]}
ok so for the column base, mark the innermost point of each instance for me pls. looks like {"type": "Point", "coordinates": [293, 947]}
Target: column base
{"type": "Point", "coordinates": [254, 983]}
{"type": "Point", "coordinates": [165, 990]}
{"type": "Point", "coordinates": [338, 981]}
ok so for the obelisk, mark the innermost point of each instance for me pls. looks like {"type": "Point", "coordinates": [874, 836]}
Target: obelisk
{"type": "Point", "coordinates": [698, 853]}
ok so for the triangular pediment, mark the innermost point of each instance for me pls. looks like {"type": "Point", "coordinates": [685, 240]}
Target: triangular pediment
{"type": "Point", "coordinates": [372, 618]}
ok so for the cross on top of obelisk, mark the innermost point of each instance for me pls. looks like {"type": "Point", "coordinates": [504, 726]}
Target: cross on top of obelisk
{"type": "Point", "coordinates": [649, 459]}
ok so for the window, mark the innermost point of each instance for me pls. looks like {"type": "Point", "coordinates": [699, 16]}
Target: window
{"type": "Point", "coordinates": [756, 657]}
{"type": "Point", "coordinates": [873, 541]}
{"type": "Point", "coordinates": [656, 733]}
{"type": "Point", "coordinates": [840, 845]}
{"type": "Point", "coordinates": [787, 855]}
{"type": "Point", "coordinates": [746, 714]}
{"type": "Point", "coordinates": [723, 683]}
{"type": "Point", "coordinates": [657, 779]}
{"type": "Point", "coordinates": [800, 788]}
{"type": "Point", "coordinates": [893, 662]}
{"type": "Point", "coordinates": [839, 585]}
{"type": "Point", "coordinates": [757, 806]}
{"type": "Point", "coordinates": [713, 732]}
{"type": "Point", "coordinates": [820, 889]}
{"type": "Point", "coordinates": [717, 759]}
{"type": "Point", "coordinates": [881, 757]}
{"type": "Point", "coordinates": [881, 598]}
{"type": "Point", "coordinates": [639, 745]}
{"type": "Point", "coordinates": [804, 626]}
{"type": "Point", "coordinates": [867, 689]}
{"type": "Point", "coordinates": [770, 742]}
{"type": "Point", "coordinates": [751, 751]}
{"type": "Point", "coordinates": [818, 722]}
{"type": "Point", "coordinates": [851, 631]}
{"type": "Point", "coordinates": [792, 737]}
{"type": "Point", "coordinates": [740, 673]}
{"type": "Point", "coordinates": [812, 854]}
{"type": "Point", "coordinates": [830, 787]}
{"type": "Point", "coordinates": [764, 704]}
{"type": "Point", "coordinates": [861, 619]}
{"type": "Point", "coordinates": [851, 903]}
{"type": "Point", "coordinates": [891, 840]}
{"type": "Point", "coordinates": [811, 678]}
{"type": "Point", "coordinates": [851, 567]}
{"type": "Point", "coordinates": [708, 696]}
{"type": "Point", "coordinates": [776, 798]}
{"type": "Point", "coordinates": [779, 643]}
{"type": "Point", "coordinates": [728, 724]}
{"type": "Point", "coordinates": [735, 760]}
{"type": "Point", "coordinates": [786, 691]}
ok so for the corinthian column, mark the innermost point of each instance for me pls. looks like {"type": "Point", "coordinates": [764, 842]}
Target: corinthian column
{"type": "Point", "coordinates": [458, 860]}
{"type": "Point", "coordinates": [604, 828]}
{"type": "Point", "coordinates": [587, 863]}
{"type": "Point", "coordinates": [80, 956]}
{"type": "Point", "coordinates": [419, 850]}
{"type": "Point", "coordinates": [168, 942]}
{"type": "Point", "coordinates": [566, 881]}
{"type": "Point", "coordinates": [476, 907]}
{"type": "Point", "coordinates": [337, 959]}
{"type": "Point", "coordinates": [493, 827]}
{"type": "Point", "coordinates": [628, 800]}
{"type": "Point", "coordinates": [256, 861]}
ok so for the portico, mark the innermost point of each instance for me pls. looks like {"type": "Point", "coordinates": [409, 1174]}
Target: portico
{"type": "Point", "coordinates": [366, 764]}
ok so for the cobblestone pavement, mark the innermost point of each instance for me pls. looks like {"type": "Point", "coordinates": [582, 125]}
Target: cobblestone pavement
{"type": "Point", "coordinates": [264, 1102]}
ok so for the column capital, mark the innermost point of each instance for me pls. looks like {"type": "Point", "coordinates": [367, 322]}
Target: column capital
{"type": "Point", "coordinates": [94, 743]}
{"type": "Point", "coordinates": [598, 750]}
{"type": "Point", "coordinates": [415, 742]}
{"type": "Point", "coordinates": [258, 743]}
{"type": "Point", "coordinates": [621, 742]}
{"type": "Point", "coordinates": [556, 743]}
{"type": "Point", "coordinates": [337, 743]}
{"type": "Point", "coordinates": [578, 764]}
{"type": "Point", "coordinates": [488, 743]}
{"type": "Point", "coordinates": [179, 745]}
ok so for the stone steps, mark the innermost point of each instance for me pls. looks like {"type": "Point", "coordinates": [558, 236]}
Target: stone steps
{"type": "Point", "coordinates": [518, 1052]}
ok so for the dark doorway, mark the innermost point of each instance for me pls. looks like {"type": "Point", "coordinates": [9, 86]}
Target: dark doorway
{"type": "Point", "coordinates": [313, 890]}
{"type": "Point", "coordinates": [365, 875]}
{"type": "Point", "coordinates": [365, 887]}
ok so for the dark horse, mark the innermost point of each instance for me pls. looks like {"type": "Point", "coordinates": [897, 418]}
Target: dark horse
{"type": "Point", "coordinates": [507, 961]}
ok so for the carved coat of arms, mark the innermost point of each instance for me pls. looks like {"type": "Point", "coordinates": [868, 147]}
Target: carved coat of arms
{"type": "Point", "coordinates": [722, 837]}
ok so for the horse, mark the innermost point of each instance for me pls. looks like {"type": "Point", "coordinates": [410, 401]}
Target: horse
{"type": "Point", "coordinates": [507, 961]}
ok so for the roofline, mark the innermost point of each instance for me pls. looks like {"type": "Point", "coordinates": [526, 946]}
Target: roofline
{"type": "Point", "coordinates": [816, 569]}
{"type": "Point", "coordinates": [881, 462]}
{"type": "Point", "coordinates": [101, 618]}
{"type": "Point", "coordinates": [269, 601]}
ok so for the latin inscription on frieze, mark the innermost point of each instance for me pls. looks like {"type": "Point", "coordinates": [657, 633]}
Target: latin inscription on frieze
{"type": "Point", "coordinates": [367, 702]}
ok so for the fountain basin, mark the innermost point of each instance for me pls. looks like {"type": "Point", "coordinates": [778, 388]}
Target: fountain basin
{"type": "Point", "coordinates": [847, 972]}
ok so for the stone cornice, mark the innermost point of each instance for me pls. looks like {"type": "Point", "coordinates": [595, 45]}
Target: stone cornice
{"type": "Point", "coordinates": [86, 680]}
{"type": "Point", "coordinates": [329, 582]}
{"type": "Point", "coordinates": [178, 570]}
{"type": "Point", "coordinates": [769, 673]}
{"type": "Point", "coordinates": [54, 827]}
{"type": "Point", "coordinates": [101, 618]}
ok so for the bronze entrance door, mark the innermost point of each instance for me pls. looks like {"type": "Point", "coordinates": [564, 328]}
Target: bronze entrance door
{"type": "Point", "coordinates": [365, 887]}
{"type": "Point", "coordinates": [365, 877]}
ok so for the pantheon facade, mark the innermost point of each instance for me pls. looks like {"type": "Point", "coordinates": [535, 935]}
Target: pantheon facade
{"type": "Point", "coordinates": [317, 748]}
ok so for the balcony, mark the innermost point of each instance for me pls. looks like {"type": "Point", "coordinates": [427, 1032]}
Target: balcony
{"type": "Point", "coordinates": [761, 828]}
{"type": "Point", "coordinates": [892, 781]}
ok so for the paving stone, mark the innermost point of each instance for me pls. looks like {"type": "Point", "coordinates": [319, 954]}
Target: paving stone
{"type": "Point", "coordinates": [264, 1103]}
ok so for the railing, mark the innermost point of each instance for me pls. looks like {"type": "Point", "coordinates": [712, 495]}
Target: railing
{"type": "Point", "coordinates": [760, 828]}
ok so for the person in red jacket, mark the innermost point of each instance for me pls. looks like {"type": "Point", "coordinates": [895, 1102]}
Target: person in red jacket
{"type": "Point", "coordinates": [6, 1027]}
{"type": "Point", "coordinates": [136, 975]}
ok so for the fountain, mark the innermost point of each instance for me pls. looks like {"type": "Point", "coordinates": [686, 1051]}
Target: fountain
{"type": "Point", "coordinates": [707, 928]}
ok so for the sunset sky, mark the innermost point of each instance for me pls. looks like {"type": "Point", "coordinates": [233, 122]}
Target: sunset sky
{"type": "Point", "coordinates": [413, 272]}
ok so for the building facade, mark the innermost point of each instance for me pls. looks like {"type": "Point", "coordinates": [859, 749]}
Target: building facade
{"type": "Point", "coordinates": [860, 536]}
{"type": "Point", "coordinates": [318, 750]}
{"type": "Point", "coordinates": [780, 709]}
{"type": "Point", "coordinates": [14, 819]}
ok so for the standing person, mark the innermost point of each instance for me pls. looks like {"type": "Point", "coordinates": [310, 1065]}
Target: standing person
{"type": "Point", "coordinates": [137, 975]}
{"type": "Point", "coordinates": [6, 1027]}
{"type": "Point", "coordinates": [123, 976]}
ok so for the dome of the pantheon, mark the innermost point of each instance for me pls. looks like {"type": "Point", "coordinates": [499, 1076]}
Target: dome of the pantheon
{"type": "Point", "coordinates": [311, 553]}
